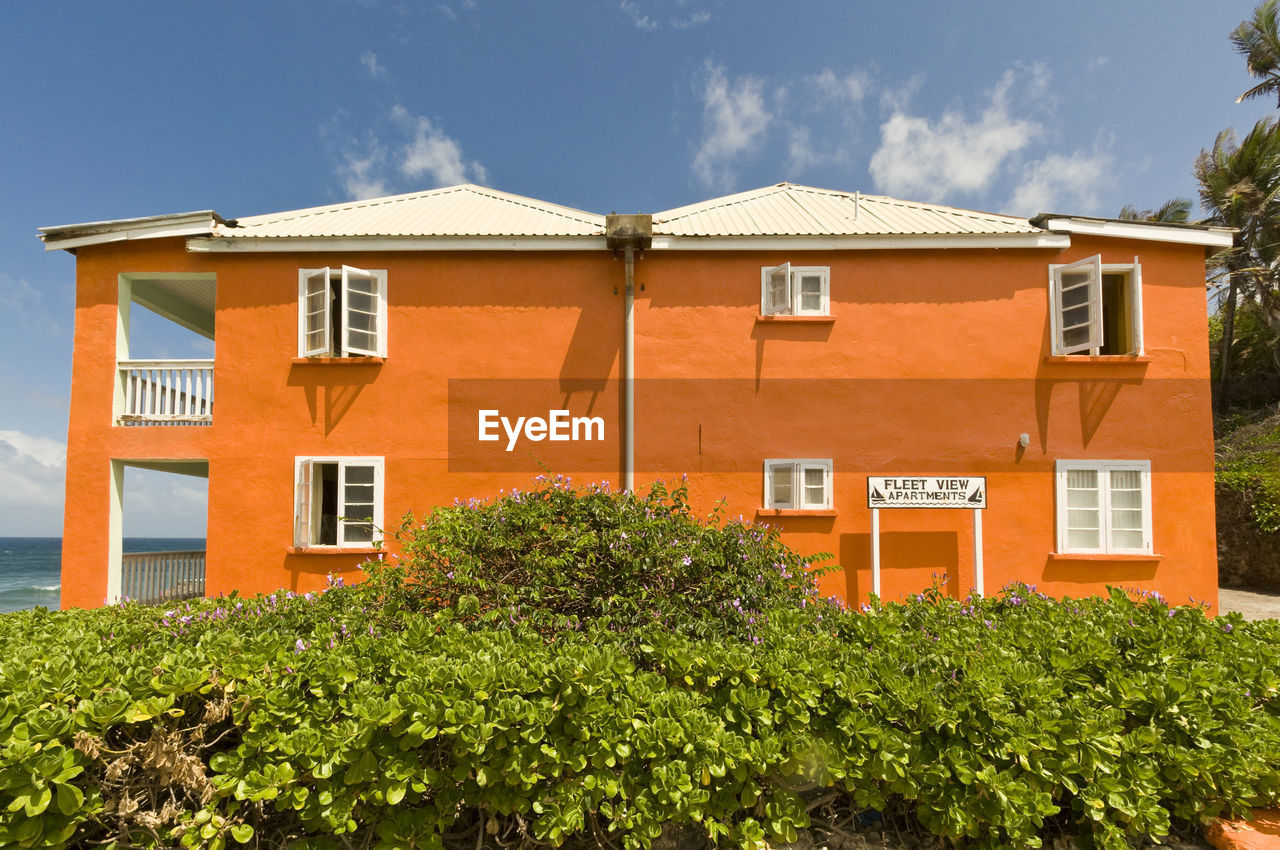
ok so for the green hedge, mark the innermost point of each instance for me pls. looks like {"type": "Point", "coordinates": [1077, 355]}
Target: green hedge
{"type": "Point", "coordinates": [342, 719]}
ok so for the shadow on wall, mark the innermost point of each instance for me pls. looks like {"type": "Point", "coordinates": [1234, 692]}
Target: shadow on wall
{"type": "Point", "coordinates": [910, 562]}
{"type": "Point", "coordinates": [337, 386]}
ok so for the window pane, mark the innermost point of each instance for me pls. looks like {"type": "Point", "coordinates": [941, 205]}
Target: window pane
{"type": "Point", "coordinates": [1079, 538]}
{"type": "Point", "coordinates": [1082, 498]}
{"type": "Point", "coordinates": [1075, 336]}
{"type": "Point", "coordinates": [1126, 519]}
{"type": "Point", "coordinates": [362, 322]}
{"type": "Point", "coordinates": [359, 494]}
{"type": "Point", "coordinates": [814, 487]}
{"type": "Point", "coordinates": [1075, 294]}
{"type": "Point", "coordinates": [811, 293]}
{"type": "Point", "coordinates": [357, 533]}
{"type": "Point", "coordinates": [359, 474]}
{"type": "Point", "coordinates": [1126, 499]}
{"type": "Point", "coordinates": [1082, 479]}
{"type": "Point", "coordinates": [1124, 539]}
{"type": "Point", "coordinates": [1075, 317]}
{"type": "Point", "coordinates": [1082, 519]}
{"type": "Point", "coordinates": [781, 496]}
{"type": "Point", "coordinates": [361, 340]}
{"type": "Point", "coordinates": [1126, 479]}
{"type": "Point", "coordinates": [363, 303]}
{"type": "Point", "coordinates": [778, 295]}
{"type": "Point", "coordinates": [358, 284]}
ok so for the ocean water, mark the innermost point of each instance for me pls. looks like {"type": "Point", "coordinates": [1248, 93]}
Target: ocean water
{"type": "Point", "coordinates": [31, 567]}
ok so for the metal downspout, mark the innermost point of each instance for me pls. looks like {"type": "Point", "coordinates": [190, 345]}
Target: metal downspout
{"type": "Point", "coordinates": [629, 376]}
{"type": "Point", "coordinates": [630, 233]}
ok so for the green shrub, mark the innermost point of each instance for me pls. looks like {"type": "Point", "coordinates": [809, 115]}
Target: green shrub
{"type": "Point", "coordinates": [381, 715]}
{"type": "Point", "coordinates": [339, 718]}
{"type": "Point", "coordinates": [558, 557]}
{"type": "Point", "coordinates": [1248, 463]}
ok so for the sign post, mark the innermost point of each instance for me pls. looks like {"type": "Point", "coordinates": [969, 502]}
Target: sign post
{"type": "Point", "coordinates": [945, 492]}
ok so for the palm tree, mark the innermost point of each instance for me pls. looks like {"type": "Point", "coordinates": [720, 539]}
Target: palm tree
{"type": "Point", "coordinates": [1240, 188]}
{"type": "Point", "coordinates": [1175, 211]}
{"type": "Point", "coordinates": [1258, 40]}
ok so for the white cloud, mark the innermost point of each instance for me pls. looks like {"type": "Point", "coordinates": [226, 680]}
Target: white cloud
{"type": "Point", "coordinates": [433, 153]}
{"type": "Point", "coordinates": [411, 147]}
{"type": "Point", "coordinates": [376, 69]}
{"type": "Point", "coordinates": [734, 120]}
{"type": "Point", "coordinates": [1061, 182]}
{"type": "Point", "coordinates": [32, 478]}
{"type": "Point", "coordinates": [164, 504]}
{"type": "Point", "coordinates": [359, 171]}
{"type": "Point", "coordinates": [448, 12]}
{"type": "Point", "coordinates": [933, 160]}
{"type": "Point", "coordinates": [639, 19]}
{"type": "Point", "coordinates": [850, 89]}
{"type": "Point", "coordinates": [696, 19]}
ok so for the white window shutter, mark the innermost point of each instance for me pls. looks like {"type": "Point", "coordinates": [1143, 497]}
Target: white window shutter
{"type": "Point", "coordinates": [361, 300]}
{"type": "Point", "coordinates": [1077, 304]}
{"type": "Point", "coordinates": [1136, 308]}
{"type": "Point", "coordinates": [314, 320]}
{"type": "Point", "coordinates": [302, 506]}
{"type": "Point", "coordinates": [776, 290]}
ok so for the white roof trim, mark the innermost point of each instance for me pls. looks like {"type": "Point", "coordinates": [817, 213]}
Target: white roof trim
{"type": "Point", "coordinates": [69, 236]}
{"type": "Point", "coordinates": [1218, 237]}
{"type": "Point", "coordinates": [863, 243]}
{"type": "Point", "coordinates": [348, 244]}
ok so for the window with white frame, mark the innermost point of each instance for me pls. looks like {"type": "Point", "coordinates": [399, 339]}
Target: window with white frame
{"type": "Point", "coordinates": [788, 290]}
{"type": "Point", "coordinates": [342, 312]}
{"type": "Point", "coordinates": [797, 484]}
{"type": "Point", "coordinates": [1104, 506]}
{"type": "Point", "coordinates": [337, 501]}
{"type": "Point", "coordinates": [1096, 307]}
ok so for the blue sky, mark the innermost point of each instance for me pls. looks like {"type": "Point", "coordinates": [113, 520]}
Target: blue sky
{"type": "Point", "coordinates": [114, 110]}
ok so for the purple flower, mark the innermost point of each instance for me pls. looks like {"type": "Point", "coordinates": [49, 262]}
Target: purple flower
{"type": "Point", "coordinates": [688, 560]}
{"type": "Point", "coordinates": [300, 646]}
{"type": "Point", "coordinates": [1228, 628]}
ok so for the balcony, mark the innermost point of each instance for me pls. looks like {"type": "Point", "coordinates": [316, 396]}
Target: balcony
{"type": "Point", "coordinates": [166, 392]}
{"type": "Point", "coordinates": [155, 577]}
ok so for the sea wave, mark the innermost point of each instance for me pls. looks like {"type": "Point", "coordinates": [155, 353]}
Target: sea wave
{"type": "Point", "coordinates": [21, 598]}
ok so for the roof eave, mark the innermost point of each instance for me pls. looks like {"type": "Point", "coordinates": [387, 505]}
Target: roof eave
{"type": "Point", "coordinates": [308, 244]}
{"type": "Point", "coordinates": [1208, 236]}
{"type": "Point", "coordinates": [68, 237]}
{"type": "Point", "coordinates": [867, 242]}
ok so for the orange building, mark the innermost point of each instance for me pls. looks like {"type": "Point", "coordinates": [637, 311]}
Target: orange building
{"type": "Point", "coordinates": [799, 353]}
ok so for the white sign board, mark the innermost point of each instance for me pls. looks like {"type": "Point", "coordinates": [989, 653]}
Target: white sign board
{"type": "Point", "coordinates": [931, 491]}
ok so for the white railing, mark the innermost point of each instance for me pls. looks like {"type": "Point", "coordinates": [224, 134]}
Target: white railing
{"type": "Point", "coordinates": [153, 577]}
{"type": "Point", "coordinates": [167, 392]}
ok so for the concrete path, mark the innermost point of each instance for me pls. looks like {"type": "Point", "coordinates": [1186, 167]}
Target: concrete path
{"type": "Point", "coordinates": [1252, 604]}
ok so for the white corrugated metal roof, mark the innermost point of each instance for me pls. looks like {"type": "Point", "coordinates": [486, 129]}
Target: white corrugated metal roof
{"type": "Point", "coordinates": [790, 210]}
{"type": "Point", "coordinates": [454, 211]}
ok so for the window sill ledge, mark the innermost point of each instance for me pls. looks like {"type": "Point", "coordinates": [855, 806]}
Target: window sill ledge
{"type": "Point", "coordinates": [332, 550]}
{"type": "Point", "coordinates": [766, 513]}
{"type": "Point", "coordinates": [1103, 556]}
{"type": "Point", "coordinates": [1109, 359]}
{"type": "Point", "coordinates": [799, 320]}
{"type": "Point", "coordinates": [339, 361]}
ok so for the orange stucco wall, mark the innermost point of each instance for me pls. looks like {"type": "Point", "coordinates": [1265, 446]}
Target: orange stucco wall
{"type": "Point", "coordinates": [934, 363]}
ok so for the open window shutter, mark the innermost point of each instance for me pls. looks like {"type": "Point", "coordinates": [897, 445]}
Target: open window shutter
{"type": "Point", "coordinates": [777, 290]}
{"type": "Point", "coordinates": [360, 297]}
{"type": "Point", "coordinates": [302, 506]}
{"type": "Point", "coordinates": [1077, 296]}
{"type": "Point", "coordinates": [1136, 296]}
{"type": "Point", "coordinates": [313, 312]}
{"type": "Point", "coordinates": [828, 491]}
{"type": "Point", "coordinates": [357, 502]}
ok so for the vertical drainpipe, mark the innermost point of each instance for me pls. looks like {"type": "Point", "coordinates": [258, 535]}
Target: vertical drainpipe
{"type": "Point", "coordinates": [628, 233]}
